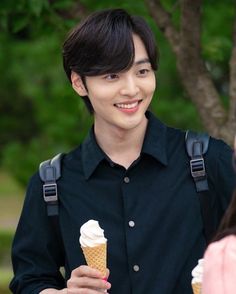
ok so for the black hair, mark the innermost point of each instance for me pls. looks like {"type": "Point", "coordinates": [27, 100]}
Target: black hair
{"type": "Point", "coordinates": [228, 223]}
{"type": "Point", "coordinates": [103, 43]}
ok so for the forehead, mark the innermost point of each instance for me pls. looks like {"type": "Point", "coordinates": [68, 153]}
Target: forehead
{"type": "Point", "coordinates": [140, 51]}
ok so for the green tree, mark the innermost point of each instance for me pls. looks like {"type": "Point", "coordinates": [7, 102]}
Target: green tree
{"type": "Point", "coordinates": [184, 24]}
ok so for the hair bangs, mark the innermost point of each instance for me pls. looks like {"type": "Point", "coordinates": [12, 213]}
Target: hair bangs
{"type": "Point", "coordinates": [116, 56]}
{"type": "Point", "coordinates": [113, 49]}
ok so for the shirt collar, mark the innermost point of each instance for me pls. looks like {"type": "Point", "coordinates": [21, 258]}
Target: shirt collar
{"type": "Point", "coordinates": [154, 145]}
{"type": "Point", "coordinates": [155, 139]}
{"type": "Point", "coordinates": [92, 154]}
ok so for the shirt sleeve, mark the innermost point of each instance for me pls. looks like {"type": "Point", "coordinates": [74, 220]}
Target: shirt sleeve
{"type": "Point", "coordinates": [36, 254]}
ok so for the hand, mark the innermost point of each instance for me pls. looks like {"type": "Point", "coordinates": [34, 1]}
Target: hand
{"type": "Point", "coordinates": [53, 291]}
{"type": "Point", "coordinates": [220, 266]}
{"type": "Point", "coordinates": [86, 280]}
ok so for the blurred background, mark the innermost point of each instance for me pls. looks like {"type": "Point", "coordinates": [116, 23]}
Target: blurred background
{"type": "Point", "coordinates": [40, 114]}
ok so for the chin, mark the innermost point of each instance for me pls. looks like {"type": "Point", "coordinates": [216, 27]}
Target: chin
{"type": "Point", "coordinates": [132, 123]}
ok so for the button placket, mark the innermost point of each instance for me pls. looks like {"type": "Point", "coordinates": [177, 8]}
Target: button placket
{"type": "Point", "coordinates": [131, 223]}
{"type": "Point", "coordinates": [136, 268]}
{"type": "Point", "coordinates": [126, 180]}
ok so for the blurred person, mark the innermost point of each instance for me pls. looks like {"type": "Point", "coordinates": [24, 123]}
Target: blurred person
{"type": "Point", "coordinates": [219, 274]}
{"type": "Point", "coordinates": [131, 173]}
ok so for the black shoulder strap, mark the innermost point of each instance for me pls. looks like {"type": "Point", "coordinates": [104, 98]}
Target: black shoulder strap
{"type": "Point", "coordinates": [197, 146]}
{"type": "Point", "coordinates": [50, 172]}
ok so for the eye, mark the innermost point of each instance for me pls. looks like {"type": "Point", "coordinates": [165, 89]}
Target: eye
{"type": "Point", "coordinates": [143, 72]}
{"type": "Point", "coordinates": [111, 77]}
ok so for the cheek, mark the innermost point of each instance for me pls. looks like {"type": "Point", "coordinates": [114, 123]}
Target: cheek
{"type": "Point", "coordinates": [151, 85]}
{"type": "Point", "coordinates": [99, 98]}
{"type": "Point", "coordinates": [103, 94]}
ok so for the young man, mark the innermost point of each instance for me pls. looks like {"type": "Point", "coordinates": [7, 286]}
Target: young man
{"type": "Point", "coordinates": [131, 174]}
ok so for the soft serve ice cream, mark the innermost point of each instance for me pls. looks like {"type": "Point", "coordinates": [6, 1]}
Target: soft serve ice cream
{"type": "Point", "coordinates": [197, 274]}
{"type": "Point", "coordinates": [94, 245]}
{"type": "Point", "coordinates": [91, 234]}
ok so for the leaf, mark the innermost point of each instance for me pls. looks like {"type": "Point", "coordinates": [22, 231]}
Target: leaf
{"type": "Point", "coordinates": [36, 6]}
{"type": "Point", "coordinates": [62, 4]}
{"type": "Point", "coordinates": [19, 22]}
{"type": "Point", "coordinates": [3, 21]}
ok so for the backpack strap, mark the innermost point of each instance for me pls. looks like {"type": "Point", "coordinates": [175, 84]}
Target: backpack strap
{"type": "Point", "coordinates": [197, 146]}
{"type": "Point", "coordinates": [50, 172]}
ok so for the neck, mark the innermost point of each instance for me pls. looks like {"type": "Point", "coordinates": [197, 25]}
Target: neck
{"type": "Point", "coordinates": [121, 146]}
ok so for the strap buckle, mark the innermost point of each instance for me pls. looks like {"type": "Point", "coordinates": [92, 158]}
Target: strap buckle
{"type": "Point", "coordinates": [197, 167]}
{"type": "Point", "coordinates": [50, 192]}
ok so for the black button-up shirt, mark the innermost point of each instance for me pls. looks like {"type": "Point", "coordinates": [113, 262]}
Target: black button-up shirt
{"type": "Point", "coordinates": [150, 214]}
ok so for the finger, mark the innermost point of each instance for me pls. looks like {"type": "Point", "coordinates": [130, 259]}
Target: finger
{"type": "Point", "coordinates": [212, 281]}
{"type": "Point", "coordinates": [84, 291]}
{"type": "Point", "coordinates": [107, 274]}
{"type": "Point", "coordinates": [229, 263]}
{"type": "Point", "coordinates": [86, 271]}
{"type": "Point", "coordinates": [88, 283]}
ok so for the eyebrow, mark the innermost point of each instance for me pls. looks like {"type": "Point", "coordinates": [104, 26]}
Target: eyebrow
{"type": "Point", "coordinates": [145, 60]}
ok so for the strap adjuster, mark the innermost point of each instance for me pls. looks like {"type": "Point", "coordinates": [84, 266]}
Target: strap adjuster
{"type": "Point", "coordinates": [50, 192]}
{"type": "Point", "coordinates": [197, 167]}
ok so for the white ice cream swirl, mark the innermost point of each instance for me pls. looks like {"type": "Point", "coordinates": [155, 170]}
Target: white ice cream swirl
{"type": "Point", "coordinates": [197, 272]}
{"type": "Point", "coordinates": [91, 234]}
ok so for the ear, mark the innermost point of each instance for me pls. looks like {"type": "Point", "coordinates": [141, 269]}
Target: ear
{"type": "Point", "coordinates": [78, 84]}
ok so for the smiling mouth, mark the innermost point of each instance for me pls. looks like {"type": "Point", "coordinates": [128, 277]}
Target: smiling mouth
{"type": "Point", "coordinates": [128, 105]}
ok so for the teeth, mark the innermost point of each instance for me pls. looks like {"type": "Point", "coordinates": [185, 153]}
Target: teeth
{"type": "Point", "coordinates": [127, 106]}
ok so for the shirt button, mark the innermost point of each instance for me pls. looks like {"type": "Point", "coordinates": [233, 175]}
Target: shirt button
{"type": "Point", "coordinates": [136, 268]}
{"type": "Point", "coordinates": [131, 224]}
{"type": "Point", "coordinates": [126, 180]}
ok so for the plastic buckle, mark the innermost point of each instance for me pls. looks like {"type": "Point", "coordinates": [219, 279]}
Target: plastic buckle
{"type": "Point", "coordinates": [50, 192]}
{"type": "Point", "coordinates": [197, 167]}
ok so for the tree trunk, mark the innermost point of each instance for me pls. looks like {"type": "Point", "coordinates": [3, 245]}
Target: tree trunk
{"type": "Point", "coordinates": [196, 79]}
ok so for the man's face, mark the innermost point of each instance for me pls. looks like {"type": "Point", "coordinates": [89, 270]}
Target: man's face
{"type": "Point", "coordinates": [120, 100]}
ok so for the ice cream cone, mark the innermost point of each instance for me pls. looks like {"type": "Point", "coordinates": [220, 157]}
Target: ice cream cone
{"type": "Point", "coordinates": [96, 257]}
{"type": "Point", "coordinates": [197, 288]}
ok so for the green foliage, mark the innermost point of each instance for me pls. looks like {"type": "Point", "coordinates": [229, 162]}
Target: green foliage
{"type": "Point", "coordinates": [169, 112]}
{"type": "Point", "coordinates": [40, 113]}
{"type": "Point", "coordinates": [6, 238]}
{"type": "Point", "coordinates": [217, 30]}
{"type": "Point", "coordinates": [17, 15]}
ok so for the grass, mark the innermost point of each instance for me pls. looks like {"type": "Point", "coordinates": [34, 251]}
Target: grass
{"type": "Point", "coordinates": [8, 187]}
{"type": "Point", "coordinates": [6, 276]}
{"type": "Point", "coordinates": [11, 200]}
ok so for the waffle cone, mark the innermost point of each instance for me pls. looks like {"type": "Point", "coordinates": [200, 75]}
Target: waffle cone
{"type": "Point", "coordinates": [197, 288]}
{"type": "Point", "coordinates": [96, 257]}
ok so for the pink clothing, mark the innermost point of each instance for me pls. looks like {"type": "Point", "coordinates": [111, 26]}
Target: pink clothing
{"type": "Point", "coordinates": [220, 267]}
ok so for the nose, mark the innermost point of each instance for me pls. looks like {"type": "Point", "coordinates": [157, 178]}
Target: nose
{"type": "Point", "coordinates": [129, 87]}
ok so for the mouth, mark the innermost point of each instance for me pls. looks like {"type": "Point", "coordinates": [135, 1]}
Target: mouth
{"type": "Point", "coordinates": [128, 105]}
